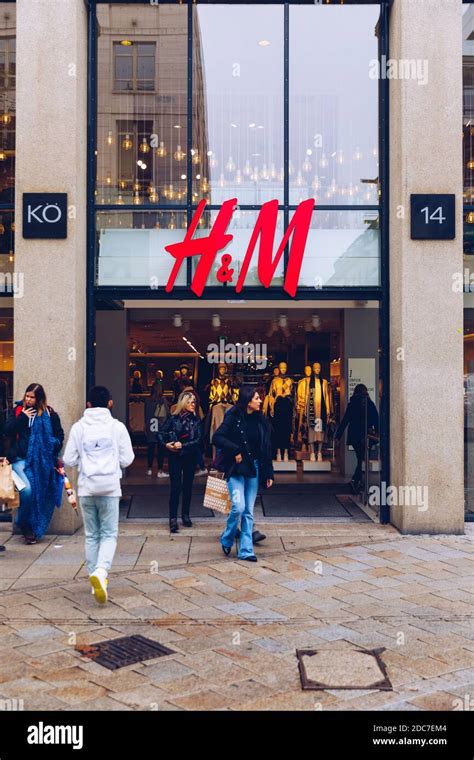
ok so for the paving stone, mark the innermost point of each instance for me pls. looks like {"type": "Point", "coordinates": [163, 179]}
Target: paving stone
{"type": "Point", "coordinates": [203, 700]}
{"type": "Point", "coordinates": [77, 693]}
{"type": "Point", "coordinates": [144, 698]}
{"type": "Point", "coordinates": [165, 670]}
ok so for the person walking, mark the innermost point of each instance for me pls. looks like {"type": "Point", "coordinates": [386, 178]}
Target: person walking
{"type": "Point", "coordinates": [243, 441]}
{"type": "Point", "coordinates": [156, 414]}
{"type": "Point", "coordinates": [181, 435]}
{"type": "Point", "coordinates": [100, 447]}
{"type": "Point", "coordinates": [359, 405]}
{"type": "Point", "coordinates": [36, 438]}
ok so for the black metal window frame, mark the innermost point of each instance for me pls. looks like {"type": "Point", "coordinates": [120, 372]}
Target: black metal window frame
{"type": "Point", "coordinates": [380, 293]}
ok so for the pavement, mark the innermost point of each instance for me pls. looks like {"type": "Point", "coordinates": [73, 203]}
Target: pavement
{"type": "Point", "coordinates": [234, 627]}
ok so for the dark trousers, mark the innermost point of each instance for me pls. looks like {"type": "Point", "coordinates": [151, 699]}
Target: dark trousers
{"type": "Point", "coordinates": [359, 449]}
{"type": "Point", "coordinates": [160, 455]}
{"type": "Point", "coordinates": [181, 467]}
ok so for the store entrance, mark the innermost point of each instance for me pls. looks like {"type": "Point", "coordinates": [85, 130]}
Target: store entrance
{"type": "Point", "coordinates": [305, 363]}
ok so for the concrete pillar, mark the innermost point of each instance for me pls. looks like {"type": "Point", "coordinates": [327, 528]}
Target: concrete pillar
{"type": "Point", "coordinates": [426, 314]}
{"type": "Point", "coordinates": [111, 367]}
{"type": "Point", "coordinates": [51, 157]}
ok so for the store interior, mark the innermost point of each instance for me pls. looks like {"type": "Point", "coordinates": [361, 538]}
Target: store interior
{"type": "Point", "coordinates": [284, 351]}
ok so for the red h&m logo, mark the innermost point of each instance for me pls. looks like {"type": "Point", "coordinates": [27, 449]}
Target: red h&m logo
{"type": "Point", "coordinates": [207, 248]}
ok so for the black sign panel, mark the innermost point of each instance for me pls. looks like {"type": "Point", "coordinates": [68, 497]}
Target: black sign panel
{"type": "Point", "coordinates": [44, 215]}
{"type": "Point", "coordinates": [433, 217]}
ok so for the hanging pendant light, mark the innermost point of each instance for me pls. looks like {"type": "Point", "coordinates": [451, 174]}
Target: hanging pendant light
{"type": "Point", "coordinates": [6, 118]}
{"type": "Point", "coordinates": [247, 170]}
{"type": "Point", "coordinates": [323, 162]}
{"type": "Point", "coordinates": [136, 199]}
{"type": "Point", "coordinates": [161, 150]}
{"type": "Point", "coordinates": [144, 147]}
{"type": "Point", "coordinates": [195, 157]}
{"type": "Point", "coordinates": [230, 165]}
{"type": "Point", "coordinates": [127, 143]}
{"type": "Point", "coordinates": [204, 185]}
{"type": "Point", "coordinates": [153, 195]}
{"type": "Point", "coordinates": [357, 154]}
{"type": "Point", "coordinates": [179, 154]}
{"type": "Point", "coordinates": [122, 184]}
{"type": "Point", "coordinates": [306, 165]}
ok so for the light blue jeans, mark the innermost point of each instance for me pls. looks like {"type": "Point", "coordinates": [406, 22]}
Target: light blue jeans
{"type": "Point", "coordinates": [23, 511]}
{"type": "Point", "coordinates": [101, 517]}
{"type": "Point", "coordinates": [243, 492]}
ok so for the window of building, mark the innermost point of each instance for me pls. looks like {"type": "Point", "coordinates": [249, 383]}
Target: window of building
{"type": "Point", "coordinates": [134, 66]}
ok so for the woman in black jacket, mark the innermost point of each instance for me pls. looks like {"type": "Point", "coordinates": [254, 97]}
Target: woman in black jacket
{"type": "Point", "coordinates": [36, 438]}
{"type": "Point", "coordinates": [181, 434]}
{"type": "Point", "coordinates": [355, 419]}
{"type": "Point", "coordinates": [243, 441]}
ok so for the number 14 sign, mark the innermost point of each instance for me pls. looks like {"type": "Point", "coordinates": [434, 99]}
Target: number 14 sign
{"type": "Point", "coordinates": [433, 217]}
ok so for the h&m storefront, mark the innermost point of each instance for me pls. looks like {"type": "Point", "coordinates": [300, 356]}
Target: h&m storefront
{"type": "Point", "coordinates": [245, 187]}
{"type": "Point", "coordinates": [202, 135]}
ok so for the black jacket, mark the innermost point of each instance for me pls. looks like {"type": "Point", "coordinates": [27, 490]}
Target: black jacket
{"type": "Point", "coordinates": [174, 429]}
{"type": "Point", "coordinates": [230, 440]}
{"type": "Point", "coordinates": [18, 430]}
{"type": "Point", "coordinates": [355, 418]}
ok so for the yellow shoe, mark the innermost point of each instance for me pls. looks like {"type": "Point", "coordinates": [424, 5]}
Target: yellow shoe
{"type": "Point", "coordinates": [99, 584]}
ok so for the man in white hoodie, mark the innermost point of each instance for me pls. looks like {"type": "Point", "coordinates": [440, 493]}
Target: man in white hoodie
{"type": "Point", "coordinates": [101, 447]}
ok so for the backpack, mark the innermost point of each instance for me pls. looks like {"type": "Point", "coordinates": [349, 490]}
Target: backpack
{"type": "Point", "coordinates": [99, 452]}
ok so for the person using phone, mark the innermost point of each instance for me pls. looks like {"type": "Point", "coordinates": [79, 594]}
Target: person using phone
{"type": "Point", "coordinates": [36, 438]}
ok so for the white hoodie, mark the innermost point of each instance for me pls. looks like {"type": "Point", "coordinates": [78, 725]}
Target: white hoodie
{"type": "Point", "coordinates": [100, 446]}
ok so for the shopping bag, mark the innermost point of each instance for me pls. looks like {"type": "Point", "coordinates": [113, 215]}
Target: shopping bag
{"type": "Point", "coordinates": [15, 502]}
{"type": "Point", "coordinates": [217, 495]}
{"type": "Point", "coordinates": [7, 488]}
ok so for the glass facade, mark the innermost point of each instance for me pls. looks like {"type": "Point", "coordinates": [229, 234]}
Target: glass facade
{"type": "Point", "coordinates": [468, 283]}
{"type": "Point", "coordinates": [284, 109]}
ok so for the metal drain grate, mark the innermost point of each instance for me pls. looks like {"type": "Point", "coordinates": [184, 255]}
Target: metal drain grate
{"type": "Point", "coordinates": [117, 653]}
{"type": "Point", "coordinates": [342, 669]}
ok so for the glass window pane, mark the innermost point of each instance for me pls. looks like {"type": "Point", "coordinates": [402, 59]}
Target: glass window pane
{"type": "Point", "coordinates": [342, 250]}
{"type": "Point", "coordinates": [238, 102]}
{"type": "Point", "coordinates": [131, 247]}
{"type": "Point", "coordinates": [159, 52]}
{"type": "Point", "coordinates": [333, 104]}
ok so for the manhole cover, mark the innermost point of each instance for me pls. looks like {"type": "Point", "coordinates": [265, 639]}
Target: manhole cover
{"type": "Point", "coordinates": [117, 653]}
{"type": "Point", "coordinates": [342, 669]}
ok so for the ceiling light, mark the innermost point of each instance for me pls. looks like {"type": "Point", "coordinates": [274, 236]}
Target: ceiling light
{"type": "Point", "coordinates": [283, 320]}
{"type": "Point", "coordinates": [316, 321]}
{"type": "Point", "coordinates": [252, 125]}
{"type": "Point", "coordinates": [126, 43]}
{"type": "Point", "coordinates": [216, 320]}
{"type": "Point", "coordinates": [264, 43]}
{"type": "Point", "coordinates": [177, 320]}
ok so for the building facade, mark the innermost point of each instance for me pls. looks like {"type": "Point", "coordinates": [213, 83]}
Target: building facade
{"type": "Point", "coordinates": [157, 119]}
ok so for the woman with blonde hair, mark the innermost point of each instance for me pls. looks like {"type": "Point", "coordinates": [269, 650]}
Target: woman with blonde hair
{"type": "Point", "coordinates": [181, 435]}
{"type": "Point", "coordinates": [36, 440]}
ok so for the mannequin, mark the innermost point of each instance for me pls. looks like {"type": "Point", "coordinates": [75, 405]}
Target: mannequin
{"type": "Point", "coordinates": [302, 393]}
{"type": "Point", "coordinates": [318, 410]}
{"type": "Point", "coordinates": [183, 380]}
{"type": "Point", "coordinates": [223, 394]}
{"type": "Point", "coordinates": [279, 404]}
{"type": "Point", "coordinates": [137, 382]}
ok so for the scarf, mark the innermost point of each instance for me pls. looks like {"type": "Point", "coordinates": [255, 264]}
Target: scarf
{"type": "Point", "coordinates": [40, 469]}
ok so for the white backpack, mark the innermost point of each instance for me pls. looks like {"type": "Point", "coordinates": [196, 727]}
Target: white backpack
{"type": "Point", "coordinates": [100, 456]}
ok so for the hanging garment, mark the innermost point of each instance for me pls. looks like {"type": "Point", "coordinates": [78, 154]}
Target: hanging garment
{"type": "Point", "coordinates": [217, 415]}
{"type": "Point", "coordinates": [317, 410]}
{"type": "Point", "coordinates": [283, 417]}
{"type": "Point", "coordinates": [136, 416]}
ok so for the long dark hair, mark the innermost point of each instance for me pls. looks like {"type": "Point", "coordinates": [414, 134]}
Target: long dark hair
{"type": "Point", "coordinates": [246, 394]}
{"type": "Point", "coordinates": [360, 390]}
{"type": "Point", "coordinates": [40, 397]}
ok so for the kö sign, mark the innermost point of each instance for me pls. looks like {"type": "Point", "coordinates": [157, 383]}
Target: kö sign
{"type": "Point", "coordinates": [44, 216]}
{"type": "Point", "coordinates": [206, 248]}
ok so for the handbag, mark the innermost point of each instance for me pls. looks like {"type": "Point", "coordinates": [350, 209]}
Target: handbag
{"type": "Point", "coordinates": [7, 488]}
{"type": "Point", "coordinates": [217, 496]}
